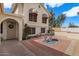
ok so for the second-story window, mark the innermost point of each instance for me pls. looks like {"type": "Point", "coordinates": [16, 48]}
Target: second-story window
{"type": "Point", "coordinates": [44, 18]}
{"type": "Point", "coordinates": [32, 15]}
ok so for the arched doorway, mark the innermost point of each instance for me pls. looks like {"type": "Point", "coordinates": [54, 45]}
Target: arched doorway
{"type": "Point", "coordinates": [9, 29]}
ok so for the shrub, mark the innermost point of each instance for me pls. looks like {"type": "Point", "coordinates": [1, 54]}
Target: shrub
{"type": "Point", "coordinates": [26, 32]}
{"type": "Point", "coordinates": [51, 32]}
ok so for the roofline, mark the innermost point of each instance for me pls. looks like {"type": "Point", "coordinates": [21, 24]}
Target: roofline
{"type": "Point", "coordinates": [45, 9]}
{"type": "Point", "coordinates": [14, 7]}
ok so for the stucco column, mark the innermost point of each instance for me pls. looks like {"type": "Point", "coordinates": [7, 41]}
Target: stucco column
{"type": "Point", "coordinates": [4, 35]}
{"type": "Point", "coordinates": [20, 32]}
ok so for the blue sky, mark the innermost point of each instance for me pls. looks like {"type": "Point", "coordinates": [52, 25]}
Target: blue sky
{"type": "Point", "coordinates": [7, 7]}
{"type": "Point", "coordinates": [69, 9]}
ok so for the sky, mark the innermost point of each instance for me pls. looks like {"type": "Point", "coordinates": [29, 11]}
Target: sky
{"type": "Point", "coordinates": [69, 9]}
{"type": "Point", "coordinates": [7, 7]}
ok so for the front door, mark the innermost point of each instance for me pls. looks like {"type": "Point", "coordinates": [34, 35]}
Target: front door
{"type": "Point", "coordinates": [12, 30]}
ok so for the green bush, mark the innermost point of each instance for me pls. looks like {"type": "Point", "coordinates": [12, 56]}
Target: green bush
{"type": "Point", "coordinates": [50, 32]}
{"type": "Point", "coordinates": [26, 32]}
{"type": "Point", "coordinates": [29, 37]}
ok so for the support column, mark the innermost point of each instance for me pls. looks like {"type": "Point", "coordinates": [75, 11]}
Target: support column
{"type": "Point", "coordinates": [20, 32]}
{"type": "Point", "coordinates": [4, 35]}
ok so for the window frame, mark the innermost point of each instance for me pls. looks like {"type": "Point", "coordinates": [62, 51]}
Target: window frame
{"type": "Point", "coordinates": [32, 30]}
{"type": "Point", "coordinates": [43, 30]}
{"type": "Point", "coordinates": [44, 18]}
{"type": "Point", "coordinates": [32, 15]}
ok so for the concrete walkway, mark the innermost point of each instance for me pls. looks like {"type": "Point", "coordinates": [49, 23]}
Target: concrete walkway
{"type": "Point", "coordinates": [68, 35]}
{"type": "Point", "coordinates": [70, 49]}
{"type": "Point", "coordinates": [13, 48]}
{"type": "Point", "coordinates": [73, 47]}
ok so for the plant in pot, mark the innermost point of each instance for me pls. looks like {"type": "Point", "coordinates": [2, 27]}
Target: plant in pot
{"type": "Point", "coordinates": [26, 31]}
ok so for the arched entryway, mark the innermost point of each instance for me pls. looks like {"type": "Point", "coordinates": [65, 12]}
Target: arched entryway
{"type": "Point", "coordinates": [14, 24]}
{"type": "Point", "coordinates": [10, 29]}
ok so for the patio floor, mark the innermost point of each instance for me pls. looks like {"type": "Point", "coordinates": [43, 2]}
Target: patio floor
{"type": "Point", "coordinates": [42, 50]}
{"type": "Point", "coordinates": [64, 47]}
{"type": "Point", "coordinates": [35, 47]}
{"type": "Point", "coordinates": [13, 48]}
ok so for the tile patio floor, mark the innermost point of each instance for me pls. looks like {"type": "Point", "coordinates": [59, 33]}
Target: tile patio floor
{"type": "Point", "coordinates": [13, 48]}
{"type": "Point", "coordinates": [33, 47]}
{"type": "Point", "coordinates": [66, 46]}
{"type": "Point", "coordinates": [42, 50]}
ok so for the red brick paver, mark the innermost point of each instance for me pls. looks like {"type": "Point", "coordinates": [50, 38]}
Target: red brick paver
{"type": "Point", "coordinates": [61, 45]}
{"type": "Point", "coordinates": [42, 50]}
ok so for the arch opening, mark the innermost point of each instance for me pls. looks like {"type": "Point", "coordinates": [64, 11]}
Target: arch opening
{"type": "Point", "coordinates": [9, 29]}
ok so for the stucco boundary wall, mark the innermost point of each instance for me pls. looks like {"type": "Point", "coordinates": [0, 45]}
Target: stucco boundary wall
{"type": "Point", "coordinates": [57, 29]}
{"type": "Point", "coordinates": [75, 30]}
{"type": "Point", "coordinates": [72, 30]}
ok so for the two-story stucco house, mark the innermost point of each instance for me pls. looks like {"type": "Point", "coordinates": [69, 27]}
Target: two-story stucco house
{"type": "Point", "coordinates": [32, 14]}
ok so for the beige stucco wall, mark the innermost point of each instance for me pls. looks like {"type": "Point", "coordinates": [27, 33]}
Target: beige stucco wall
{"type": "Point", "coordinates": [23, 9]}
{"type": "Point", "coordinates": [21, 16]}
{"type": "Point", "coordinates": [4, 35]}
{"type": "Point", "coordinates": [19, 9]}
